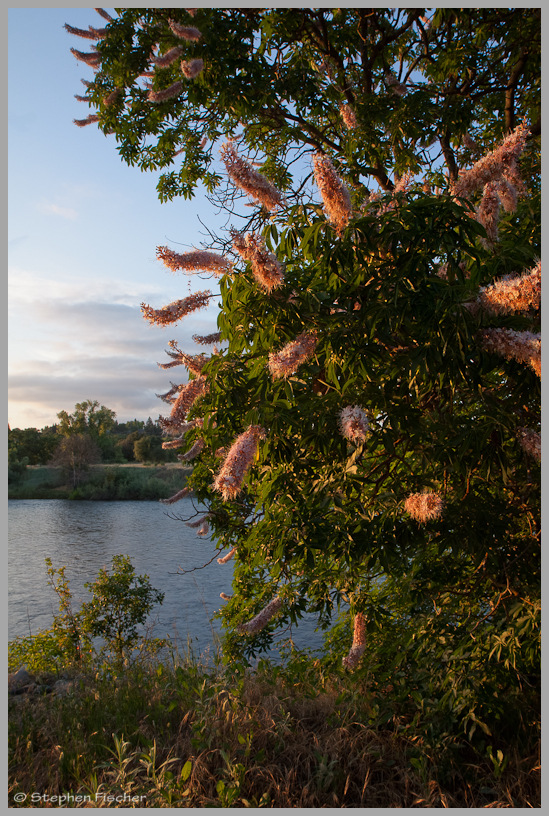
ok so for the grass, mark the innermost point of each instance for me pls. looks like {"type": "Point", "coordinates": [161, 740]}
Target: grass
{"type": "Point", "coordinates": [183, 734]}
{"type": "Point", "coordinates": [103, 483]}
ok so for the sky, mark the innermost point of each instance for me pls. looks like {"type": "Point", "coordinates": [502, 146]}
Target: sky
{"type": "Point", "coordinates": [83, 228]}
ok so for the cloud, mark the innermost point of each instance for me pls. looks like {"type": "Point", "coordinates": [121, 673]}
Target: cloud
{"type": "Point", "coordinates": [54, 209]}
{"type": "Point", "coordinates": [65, 350]}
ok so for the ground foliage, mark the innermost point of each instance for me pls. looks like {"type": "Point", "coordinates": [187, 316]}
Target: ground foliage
{"type": "Point", "coordinates": [450, 604]}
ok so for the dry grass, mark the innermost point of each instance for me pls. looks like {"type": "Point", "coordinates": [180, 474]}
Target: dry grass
{"type": "Point", "coordinates": [190, 737]}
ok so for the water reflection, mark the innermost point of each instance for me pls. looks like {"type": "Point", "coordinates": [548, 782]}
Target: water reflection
{"type": "Point", "coordinates": [84, 536]}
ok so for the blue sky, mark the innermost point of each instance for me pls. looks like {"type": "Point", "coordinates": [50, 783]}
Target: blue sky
{"type": "Point", "coordinates": [82, 237]}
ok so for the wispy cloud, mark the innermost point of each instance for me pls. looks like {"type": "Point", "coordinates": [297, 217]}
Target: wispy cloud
{"type": "Point", "coordinates": [75, 340]}
{"type": "Point", "coordinates": [50, 208]}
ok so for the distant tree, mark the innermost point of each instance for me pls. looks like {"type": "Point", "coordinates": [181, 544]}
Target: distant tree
{"type": "Point", "coordinates": [35, 445]}
{"type": "Point", "coordinates": [75, 454]}
{"type": "Point", "coordinates": [88, 417]}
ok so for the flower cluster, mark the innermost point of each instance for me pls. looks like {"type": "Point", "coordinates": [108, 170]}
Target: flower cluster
{"type": "Point", "coordinates": [192, 362]}
{"type": "Point", "coordinates": [246, 178]}
{"type": "Point", "coordinates": [513, 294]}
{"type": "Point", "coordinates": [237, 462]}
{"type": "Point", "coordinates": [501, 162]}
{"type": "Point", "coordinates": [335, 195]}
{"type": "Point", "coordinates": [265, 267]}
{"type": "Point", "coordinates": [169, 57]}
{"type": "Point", "coordinates": [198, 260]}
{"type": "Point", "coordinates": [522, 346]}
{"type": "Point", "coordinates": [424, 506]}
{"type": "Point", "coordinates": [166, 93]}
{"type": "Point", "coordinates": [353, 423]}
{"type": "Point", "coordinates": [188, 395]}
{"type": "Point", "coordinates": [192, 68]}
{"type": "Point", "coordinates": [359, 642]}
{"type": "Point", "coordinates": [188, 33]}
{"type": "Point", "coordinates": [207, 339]}
{"type": "Point", "coordinates": [348, 115]}
{"type": "Point", "coordinates": [227, 557]}
{"type": "Point", "coordinates": [262, 618]}
{"type": "Point", "coordinates": [177, 496]}
{"type": "Point", "coordinates": [488, 212]}
{"type": "Point", "coordinates": [193, 452]}
{"type": "Point", "coordinates": [93, 59]}
{"type": "Point", "coordinates": [89, 120]}
{"type": "Point", "coordinates": [90, 34]}
{"type": "Point", "coordinates": [531, 442]}
{"type": "Point", "coordinates": [285, 362]}
{"type": "Point", "coordinates": [176, 310]}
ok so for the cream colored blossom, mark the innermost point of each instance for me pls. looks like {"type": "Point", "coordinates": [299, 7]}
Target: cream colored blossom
{"type": "Point", "coordinates": [192, 68]}
{"type": "Point", "coordinates": [261, 619]}
{"type": "Point", "coordinates": [335, 195]}
{"type": "Point", "coordinates": [189, 394]}
{"type": "Point", "coordinates": [359, 642]}
{"type": "Point", "coordinates": [177, 310]}
{"type": "Point", "coordinates": [513, 294]}
{"type": "Point", "coordinates": [353, 423]}
{"type": "Point", "coordinates": [348, 115]}
{"type": "Point", "coordinates": [424, 506]}
{"type": "Point", "coordinates": [265, 267]}
{"type": "Point", "coordinates": [249, 180]}
{"type": "Point", "coordinates": [188, 33]}
{"type": "Point", "coordinates": [239, 459]}
{"type": "Point", "coordinates": [195, 261]}
{"type": "Point", "coordinates": [207, 339]}
{"type": "Point", "coordinates": [522, 346]}
{"type": "Point", "coordinates": [488, 212]}
{"type": "Point", "coordinates": [89, 120]}
{"type": "Point", "coordinates": [177, 497]}
{"type": "Point", "coordinates": [285, 362]}
{"type": "Point", "coordinates": [93, 59]}
{"type": "Point", "coordinates": [164, 60]}
{"type": "Point", "coordinates": [501, 162]}
{"type": "Point", "coordinates": [166, 93]}
{"type": "Point", "coordinates": [227, 557]}
{"type": "Point", "coordinates": [193, 452]}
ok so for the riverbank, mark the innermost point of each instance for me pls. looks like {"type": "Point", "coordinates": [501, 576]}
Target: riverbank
{"type": "Point", "coordinates": [135, 482]}
{"type": "Point", "coordinates": [183, 735]}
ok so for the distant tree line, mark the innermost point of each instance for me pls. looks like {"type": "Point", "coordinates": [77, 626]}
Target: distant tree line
{"type": "Point", "coordinates": [89, 435]}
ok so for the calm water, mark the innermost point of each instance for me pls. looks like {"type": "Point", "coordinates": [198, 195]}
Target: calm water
{"type": "Point", "coordinates": [84, 536]}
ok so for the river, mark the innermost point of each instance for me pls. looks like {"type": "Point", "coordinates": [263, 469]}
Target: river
{"type": "Point", "coordinates": [85, 535]}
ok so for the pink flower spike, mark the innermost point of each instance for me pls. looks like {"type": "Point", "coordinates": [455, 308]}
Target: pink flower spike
{"type": "Point", "coordinates": [265, 267]}
{"type": "Point", "coordinates": [177, 310]}
{"type": "Point", "coordinates": [196, 261]}
{"type": "Point", "coordinates": [188, 33]}
{"type": "Point", "coordinates": [262, 619]}
{"type": "Point", "coordinates": [524, 347]}
{"type": "Point", "coordinates": [359, 643]}
{"type": "Point", "coordinates": [335, 195]}
{"type": "Point", "coordinates": [227, 557]}
{"type": "Point", "coordinates": [500, 162]}
{"type": "Point", "coordinates": [424, 506]}
{"type": "Point", "coordinates": [237, 462]}
{"type": "Point", "coordinates": [513, 294]}
{"type": "Point", "coordinates": [192, 68]}
{"type": "Point", "coordinates": [177, 497]}
{"type": "Point", "coordinates": [164, 60]}
{"type": "Point", "coordinates": [285, 362]}
{"type": "Point", "coordinates": [249, 180]}
{"type": "Point", "coordinates": [354, 424]}
{"type": "Point", "coordinates": [167, 93]}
